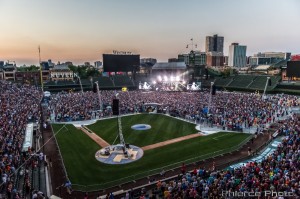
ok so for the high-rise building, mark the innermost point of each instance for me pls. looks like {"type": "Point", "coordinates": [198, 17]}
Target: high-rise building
{"type": "Point", "coordinates": [98, 64]}
{"type": "Point", "coordinates": [214, 59]}
{"type": "Point", "coordinates": [237, 55]}
{"type": "Point", "coordinates": [214, 43]}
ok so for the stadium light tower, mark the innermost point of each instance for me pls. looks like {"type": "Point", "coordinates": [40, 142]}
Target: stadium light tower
{"type": "Point", "coordinates": [76, 75]}
{"type": "Point", "coordinates": [99, 97]}
{"type": "Point", "coordinates": [191, 58]}
{"type": "Point", "coordinates": [191, 44]}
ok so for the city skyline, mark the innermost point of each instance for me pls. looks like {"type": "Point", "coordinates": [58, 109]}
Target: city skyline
{"type": "Point", "coordinates": [83, 31]}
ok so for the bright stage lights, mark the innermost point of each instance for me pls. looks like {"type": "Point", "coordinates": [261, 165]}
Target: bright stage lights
{"type": "Point", "coordinates": [177, 78]}
{"type": "Point", "coordinates": [172, 78]}
{"type": "Point", "coordinates": [165, 78]}
{"type": "Point", "coordinates": [159, 78]}
{"type": "Point", "coordinates": [154, 82]}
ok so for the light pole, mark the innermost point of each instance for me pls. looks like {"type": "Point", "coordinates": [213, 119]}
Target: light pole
{"type": "Point", "coordinates": [267, 82]}
{"type": "Point", "coordinates": [99, 97]}
{"type": "Point", "coordinates": [191, 58]}
{"type": "Point", "coordinates": [76, 75]}
{"type": "Point", "coordinates": [210, 97]}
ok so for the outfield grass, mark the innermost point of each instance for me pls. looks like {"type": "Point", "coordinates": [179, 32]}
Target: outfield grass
{"type": "Point", "coordinates": [78, 152]}
{"type": "Point", "coordinates": [162, 128]}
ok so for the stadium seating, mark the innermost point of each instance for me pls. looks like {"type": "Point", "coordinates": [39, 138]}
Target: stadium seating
{"type": "Point", "coordinates": [121, 81]}
{"type": "Point", "coordinates": [104, 82]}
{"type": "Point", "coordinates": [241, 81]}
{"type": "Point", "coordinates": [223, 82]}
{"type": "Point", "coordinates": [259, 83]}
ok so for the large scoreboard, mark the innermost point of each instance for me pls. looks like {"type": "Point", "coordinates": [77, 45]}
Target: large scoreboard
{"type": "Point", "coordinates": [121, 62]}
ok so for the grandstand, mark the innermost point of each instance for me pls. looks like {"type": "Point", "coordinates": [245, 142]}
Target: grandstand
{"type": "Point", "coordinates": [71, 141]}
{"type": "Point", "coordinates": [259, 83]}
{"type": "Point", "coordinates": [223, 82]}
{"type": "Point", "coordinates": [104, 82]}
{"type": "Point", "coordinates": [123, 81]}
{"type": "Point", "coordinates": [247, 82]}
{"type": "Point", "coordinates": [241, 81]}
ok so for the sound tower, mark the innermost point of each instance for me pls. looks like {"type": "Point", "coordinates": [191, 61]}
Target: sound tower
{"type": "Point", "coordinates": [115, 107]}
{"type": "Point", "coordinates": [270, 82]}
{"type": "Point", "coordinates": [95, 88]}
{"type": "Point", "coordinates": [213, 90]}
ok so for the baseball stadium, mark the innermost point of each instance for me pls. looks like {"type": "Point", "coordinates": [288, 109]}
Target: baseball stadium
{"type": "Point", "coordinates": [179, 130]}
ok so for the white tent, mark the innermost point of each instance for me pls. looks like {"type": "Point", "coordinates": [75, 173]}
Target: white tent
{"type": "Point", "coordinates": [47, 94]}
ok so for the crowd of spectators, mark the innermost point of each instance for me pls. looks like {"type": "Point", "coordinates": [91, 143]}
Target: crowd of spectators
{"type": "Point", "coordinates": [227, 109]}
{"type": "Point", "coordinates": [19, 105]}
{"type": "Point", "coordinates": [276, 176]}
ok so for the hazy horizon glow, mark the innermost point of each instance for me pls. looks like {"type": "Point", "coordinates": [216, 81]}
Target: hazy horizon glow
{"type": "Point", "coordinates": [80, 31]}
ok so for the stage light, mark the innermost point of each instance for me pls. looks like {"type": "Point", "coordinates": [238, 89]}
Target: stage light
{"type": "Point", "coordinates": [166, 78]}
{"type": "Point", "coordinates": [183, 82]}
{"type": "Point", "coordinates": [154, 82]}
{"type": "Point", "coordinates": [159, 78]}
{"type": "Point", "coordinates": [177, 78]}
{"type": "Point", "coordinates": [172, 78]}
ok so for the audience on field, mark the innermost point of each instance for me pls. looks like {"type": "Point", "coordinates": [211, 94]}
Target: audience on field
{"type": "Point", "coordinates": [233, 111]}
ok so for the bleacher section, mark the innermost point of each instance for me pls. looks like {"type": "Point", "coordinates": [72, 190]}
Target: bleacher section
{"type": "Point", "coordinates": [142, 79]}
{"type": "Point", "coordinates": [104, 82]}
{"type": "Point", "coordinates": [247, 82]}
{"type": "Point", "coordinates": [87, 84]}
{"type": "Point", "coordinates": [123, 81]}
{"type": "Point", "coordinates": [259, 83]}
{"type": "Point", "coordinates": [223, 82]}
{"type": "Point", "coordinates": [241, 81]}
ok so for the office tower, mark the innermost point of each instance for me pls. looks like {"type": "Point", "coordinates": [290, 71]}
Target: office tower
{"type": "Point", "coordinates": [237, 55]}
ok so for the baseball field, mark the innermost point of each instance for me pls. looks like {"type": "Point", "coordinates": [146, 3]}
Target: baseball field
{"type": "Point", "coordinates": [86, 173]}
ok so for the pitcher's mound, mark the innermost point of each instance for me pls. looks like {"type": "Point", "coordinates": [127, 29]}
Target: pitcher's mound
{"type": "Point", "coordinates": [141, 127]}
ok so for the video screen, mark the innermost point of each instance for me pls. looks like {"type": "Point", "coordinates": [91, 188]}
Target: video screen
{"type": "Point", "coordinates": [121, 63]}
{"type": "Point", "coordinates": [293, 69]}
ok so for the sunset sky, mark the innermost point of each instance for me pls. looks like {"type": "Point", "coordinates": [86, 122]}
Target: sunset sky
{"type": "Point", "coordinates": [79, 31]}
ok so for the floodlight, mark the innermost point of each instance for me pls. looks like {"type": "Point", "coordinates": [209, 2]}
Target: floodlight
{"type": "Point", "coordinates": [166, 78]}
